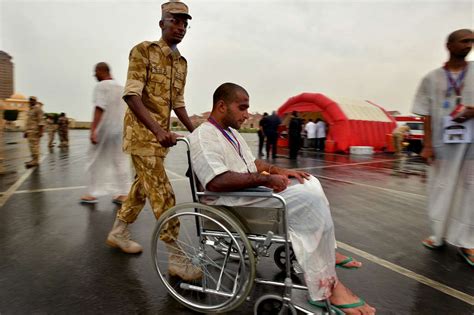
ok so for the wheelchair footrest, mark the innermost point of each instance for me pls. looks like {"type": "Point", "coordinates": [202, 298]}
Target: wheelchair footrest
{"type": "Point", "coordinates": [296, 267]}
{"type": "Point", "coordinates": [299, 299]}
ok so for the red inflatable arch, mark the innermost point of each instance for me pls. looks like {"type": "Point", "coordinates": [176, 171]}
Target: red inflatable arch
{"type": "Point", "coordinates": [351, 123]}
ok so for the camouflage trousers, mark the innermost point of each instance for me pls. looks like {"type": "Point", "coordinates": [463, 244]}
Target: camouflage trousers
{"type": "Point", "coordinates": [34, 142]}
{"type": "Point", "coordinates": [397, 142]}
{"type": "Point", "coordinates": [150, 181]}
{"type": "Point", "coordinates": [63, 137]}
{"type": "Point", "coordinates": [51, 132]}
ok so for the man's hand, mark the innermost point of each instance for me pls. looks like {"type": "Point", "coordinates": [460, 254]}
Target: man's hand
{"type": "Point", "coordinates": [277, 182]}
{"type": "Point", "coordinates": [166, 138]}
{"type": "Point", "coordinates": [466, 114]}
{"type": "Point", "coordinates": [427, 154]}
{"type": "Point", "coordinates": [93, 137]}
{"type": "Point", "coordinates": [299, 175]}
{"type": "Point", "coordinates": [25, 135]}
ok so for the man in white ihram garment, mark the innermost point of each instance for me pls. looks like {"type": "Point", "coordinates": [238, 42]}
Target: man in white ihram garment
{"type": "Point", "coordinates": [310, 129]}
{"type": "Point", "coordinates": [223, 162]}
{"type": "Point", "coordinates": [108, 167]}
{"type": "Point", "coordinates": [446, 98]}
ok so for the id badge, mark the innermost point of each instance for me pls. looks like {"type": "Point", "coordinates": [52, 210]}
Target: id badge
{"type": "Point", "coordinates": [454, 132]}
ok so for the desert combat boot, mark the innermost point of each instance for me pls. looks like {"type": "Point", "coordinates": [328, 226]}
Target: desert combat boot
{"type": "Point", "coordinates": [179, 264]}
{"type": "Point", "coordinates": [119, 237]}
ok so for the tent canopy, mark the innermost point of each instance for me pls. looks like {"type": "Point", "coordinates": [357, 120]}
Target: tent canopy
{"type": "Point", "coordinates": [350, 122]}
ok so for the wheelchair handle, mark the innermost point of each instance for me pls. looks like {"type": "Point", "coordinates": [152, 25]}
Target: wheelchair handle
{"type": "Point", "coordinates": [185, 140]}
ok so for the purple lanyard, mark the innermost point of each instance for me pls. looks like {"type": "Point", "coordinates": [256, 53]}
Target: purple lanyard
{"type": "Point", "coordinates": [235, 143]}
{"type": "Point", "coordinates": [456, 85]}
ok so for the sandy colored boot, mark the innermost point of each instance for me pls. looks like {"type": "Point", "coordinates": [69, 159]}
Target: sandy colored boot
{"type": "Point", "coordinates": [180, 265]}
{"type": "Point", "coordinates": [119, 237]}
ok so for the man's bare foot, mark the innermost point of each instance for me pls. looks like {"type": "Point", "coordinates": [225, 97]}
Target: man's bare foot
{"type": "Point", "coordinates": [88, 199]}
{"type": "Point", "coordinates": [347, 262]}
{"type": "Point", "coordinates": [342, 296]}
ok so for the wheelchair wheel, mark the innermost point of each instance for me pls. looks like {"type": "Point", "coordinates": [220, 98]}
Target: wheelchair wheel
{"type": "Point", "coordinates": [279, 256]}
{"type": "Point", "coordinates": [272, 304]}
{"type": "Point", "coordinates": [225, 282]}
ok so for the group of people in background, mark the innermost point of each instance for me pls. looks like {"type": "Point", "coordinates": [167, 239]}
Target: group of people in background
{"type": "Point", "coordinates": [58, 124]}
{"type": "Point", "coordinates": [314, 132]}
{"type": "Point", "coordinates": [35, 127]}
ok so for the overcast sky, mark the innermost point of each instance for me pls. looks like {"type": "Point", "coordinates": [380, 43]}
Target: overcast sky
{"type": "Point", "coordinates": [373, 50]}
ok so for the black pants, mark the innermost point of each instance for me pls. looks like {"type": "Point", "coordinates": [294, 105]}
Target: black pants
{"type": "Point", "coordinates": [320, 144]}
{"type": "Point", "coordinates": [261, 141]}
{"type": "Point", "coordinates": [294, 143]}
{"type": "Point", "coordinates": [272, 145]}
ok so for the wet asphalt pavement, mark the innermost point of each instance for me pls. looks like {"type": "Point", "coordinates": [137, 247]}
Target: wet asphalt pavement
{"type": "Point", "coordinates": [53, 258]}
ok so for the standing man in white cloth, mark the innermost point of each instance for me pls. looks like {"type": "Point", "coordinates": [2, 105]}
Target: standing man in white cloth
{"type": "Point", "coordinates": [223, 162]}
{"type": "Point", "coordinates": [446, 95]}
{"type": "Point", "coordinates": [108, 167]}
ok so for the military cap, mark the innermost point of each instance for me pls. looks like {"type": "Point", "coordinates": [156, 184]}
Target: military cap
{"type": "Point", "coordinates": [175, 7]}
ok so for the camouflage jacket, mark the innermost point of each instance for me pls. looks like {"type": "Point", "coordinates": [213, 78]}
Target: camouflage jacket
{"type": "Point", "coordinates": [158, 75]}
{"type": "Point", "coordinates": [63, 123]}
{"type": "Point", "coordinates": [34, 120]}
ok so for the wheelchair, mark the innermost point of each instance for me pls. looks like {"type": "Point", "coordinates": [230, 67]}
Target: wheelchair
{"type": "Point", "coordinates": [226, 244]}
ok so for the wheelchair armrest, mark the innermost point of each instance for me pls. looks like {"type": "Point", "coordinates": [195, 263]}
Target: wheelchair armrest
{"type": "Point", "coordinates": [260, 191]}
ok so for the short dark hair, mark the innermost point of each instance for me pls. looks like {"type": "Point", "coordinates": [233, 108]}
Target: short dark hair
{"type": "Point", "coordinates": [454, 35]}
{"type": "Point", "coordinates": [227, 92]}
{"type": "Point", "coordinates": [103, 66]}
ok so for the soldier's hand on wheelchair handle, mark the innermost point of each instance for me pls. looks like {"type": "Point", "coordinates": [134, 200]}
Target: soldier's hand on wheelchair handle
{"type": "Point", "coordinates": [167, 138]}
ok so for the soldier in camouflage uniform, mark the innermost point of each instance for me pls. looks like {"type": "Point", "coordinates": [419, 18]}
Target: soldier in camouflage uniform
{"type": "Point", "coordinates": [34, 131]}
{"type": "Point", "coordinates": [52, 129]}
{"type": "Point", "coordinates": [63, 129]}
{"type": "Point", "coordinates": [155, 86]}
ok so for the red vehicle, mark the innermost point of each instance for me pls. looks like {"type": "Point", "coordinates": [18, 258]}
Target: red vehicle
{"type": "Point", "coordinates": [417, 133]}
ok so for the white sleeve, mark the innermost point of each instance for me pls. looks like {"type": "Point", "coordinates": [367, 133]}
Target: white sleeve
{"type": "Point", "coordinates": [99, 98]}
{"type": "Point", "coordinates": [423, 101]}
{"type": "Point", "coordinates": [207, 155]}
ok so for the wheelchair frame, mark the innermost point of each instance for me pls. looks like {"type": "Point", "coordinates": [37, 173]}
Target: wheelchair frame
{"type": "Point", "coordinates": [262, 244]}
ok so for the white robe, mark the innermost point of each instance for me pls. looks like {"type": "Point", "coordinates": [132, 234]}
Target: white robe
{"type": "Point", "coordinates": [451, 177]}
{"type": "Point", "coordinates": [311, 229]}
{"type": "Point", "coordinates": [108, 168]}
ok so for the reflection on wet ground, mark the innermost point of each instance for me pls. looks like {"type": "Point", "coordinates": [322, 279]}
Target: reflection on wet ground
{"type": "Point", "coordinates": [54, 259]}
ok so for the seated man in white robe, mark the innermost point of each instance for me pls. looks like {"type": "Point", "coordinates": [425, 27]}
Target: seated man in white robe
{"type": "Point", "coordinates": [223, 162]}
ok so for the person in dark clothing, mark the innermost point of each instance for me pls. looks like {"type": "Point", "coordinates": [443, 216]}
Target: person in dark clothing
{"type": "Point", "coordinates": [271, 133]}
{"type": "Point", "coordinates": [294, 135]}
{"type": "Point", "coordinates": [261, 134]}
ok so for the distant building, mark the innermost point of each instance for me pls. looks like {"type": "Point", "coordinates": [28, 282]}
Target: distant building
{"type": "Point", "coordinates": [17, 102]}
{"type": "Point", "coordinates": [6, 75]}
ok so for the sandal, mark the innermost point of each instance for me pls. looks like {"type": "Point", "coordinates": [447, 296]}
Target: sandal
{"type": "Point", "coordinates": [343, 264]}
{"type": "Point", "coordinates": [430, 243]}
{"type": "Point", "coordinates": [467, 257]}
{"type": "Point", "coordinates": [89, 199]}
{"type": "Point", "coordinates": [337, 308]}
{"type": "Point", "coordinates": [119, 200]}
